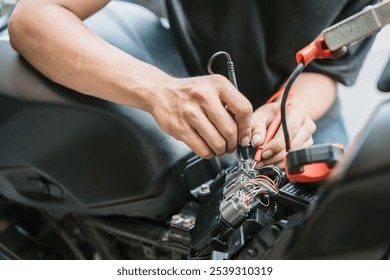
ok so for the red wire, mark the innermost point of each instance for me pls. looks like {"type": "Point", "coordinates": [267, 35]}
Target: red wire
{"type": "Point", "coordinates": [273, 127]}
{"type": "Point", "coordinates": [275, 95]}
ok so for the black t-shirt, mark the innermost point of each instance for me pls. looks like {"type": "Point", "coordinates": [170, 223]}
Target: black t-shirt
{"type": "Point", "coordinates": [263, 37]}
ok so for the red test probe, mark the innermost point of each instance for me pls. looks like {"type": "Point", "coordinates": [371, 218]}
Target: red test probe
{"type": "Point", "coordinates": [272, 128]}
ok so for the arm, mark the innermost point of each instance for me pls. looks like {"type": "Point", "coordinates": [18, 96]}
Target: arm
{"type": "Point", "coordinates": [192, 110]}
{"type": "Point", "coordinates": [313, 95]}
{"type": "Point", "coordinates": [316, 92]}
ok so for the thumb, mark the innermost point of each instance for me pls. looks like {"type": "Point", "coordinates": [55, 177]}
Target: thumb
{"type": "Point", "coordinates": [258, 134]}
{"type": "Point", "coordinates": [262, 118]}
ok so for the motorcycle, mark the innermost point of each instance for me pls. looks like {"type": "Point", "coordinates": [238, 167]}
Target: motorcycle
{"type": "Point", "coordinates": [82, 178]}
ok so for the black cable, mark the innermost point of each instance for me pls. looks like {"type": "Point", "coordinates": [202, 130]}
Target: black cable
{"type": "Point", "coordinates": [298, 70]}
{"type": "Point", "coordinates": [244, 151]}
{"type": "Point", "coordinates": [230, 67]}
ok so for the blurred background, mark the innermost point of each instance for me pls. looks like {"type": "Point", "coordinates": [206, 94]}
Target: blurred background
{"type": "Point", "coordinates": [6, 7]}
{"type": "Point", "coordinates": [358, 101]}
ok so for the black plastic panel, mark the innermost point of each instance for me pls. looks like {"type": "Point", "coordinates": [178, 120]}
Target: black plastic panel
{"type": "Point", "coordinates": [384, 80]}
{"type": "Point", "coordinates": [351, 220]}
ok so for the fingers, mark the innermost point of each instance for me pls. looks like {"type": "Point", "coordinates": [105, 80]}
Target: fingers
{"type": "Point", "coordinates": [278, 159]}
{"type": "Point", "coordinates": [262, 117]}
{"type": "Point", "coordinates": [202, 135]}
{"type": "Point", "coordinates": [239, 106]}
{"type": "Point", "coordinates": [220, 139]}
{"type": "Point", "coordinates": [301, 129]}
{"type": "Point", "coordinates": [244, 123]}
{"type": "Point", "coordinates": [224, 124]}
{"type": "Point", "coordinates": [300, 126]}
{"type": "Point", "coordinates": [197, 144]}
{"type": "Point", "coordinates": [202, 112]}
{"type": "Point", "coordinates": [304, 137]}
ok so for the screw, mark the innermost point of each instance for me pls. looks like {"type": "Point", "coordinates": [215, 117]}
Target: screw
{"type": "Point", "coordinates": [252, 252]}
{"type": "Point", "coordinates": [187, 223]}
{"type": "Point", "coordinates": [204, 189]}
{"type": "Point", "coordinates": [176, 219]}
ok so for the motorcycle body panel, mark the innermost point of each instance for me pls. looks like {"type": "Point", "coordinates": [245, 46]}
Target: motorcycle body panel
{"type": "Point", "coordinates": [350, 218]}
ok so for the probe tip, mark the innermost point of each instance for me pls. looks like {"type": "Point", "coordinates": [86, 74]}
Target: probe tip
{"type": "Point", "coordinates": [254, 164]}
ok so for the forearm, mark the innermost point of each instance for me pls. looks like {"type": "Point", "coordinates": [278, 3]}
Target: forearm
{"type": "Point", "coordinates": [316, 92]}
{"type": "Point", "coordinates": [57, 43]}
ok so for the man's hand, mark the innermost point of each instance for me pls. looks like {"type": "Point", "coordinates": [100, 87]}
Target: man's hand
{"type": "Point", "coordinates": [300, 126]}
{"type": "Point", "coordinates": [314, 94]}
{"type": "Point", "coordinates": [207, 113]}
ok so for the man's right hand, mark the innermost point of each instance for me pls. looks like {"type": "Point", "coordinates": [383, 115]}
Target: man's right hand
{"type": "Point", "coordinates": [207, 113]}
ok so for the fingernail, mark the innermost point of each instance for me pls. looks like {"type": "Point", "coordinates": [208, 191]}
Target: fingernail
{"type": "Point", "coordinates": [256, 139]}
{"type": "Point", "coordinates": [267, 154]}
{"type": "Point", "coordinates": [245, 141]}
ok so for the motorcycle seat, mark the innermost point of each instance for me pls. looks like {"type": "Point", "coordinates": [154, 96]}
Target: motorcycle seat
{"type": "Point", "coordinates": [104, 157]}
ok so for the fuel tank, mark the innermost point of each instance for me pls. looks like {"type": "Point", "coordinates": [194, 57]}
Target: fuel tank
{"type": "Point", "coordinates": [65, 152]}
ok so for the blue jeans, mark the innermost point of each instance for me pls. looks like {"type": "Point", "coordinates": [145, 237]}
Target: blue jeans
{"type": "Point", "coordinates": [330, 127]}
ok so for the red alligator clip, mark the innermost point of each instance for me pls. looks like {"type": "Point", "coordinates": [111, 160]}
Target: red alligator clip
{"type": "Point", "coordinates": [318, 49]}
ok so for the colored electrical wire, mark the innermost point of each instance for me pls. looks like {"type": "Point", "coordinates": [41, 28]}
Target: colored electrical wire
{"type": "Point", "coordinates": [275, 95]}
{"type": "Point", "coordinates": [259, 185]}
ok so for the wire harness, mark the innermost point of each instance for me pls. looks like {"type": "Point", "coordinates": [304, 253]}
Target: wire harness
{"type": "Point", "coordinates": [246, 189]}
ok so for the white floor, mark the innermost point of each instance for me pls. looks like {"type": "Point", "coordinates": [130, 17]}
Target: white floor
{"type": "Point", "coordinates": [360, 100]}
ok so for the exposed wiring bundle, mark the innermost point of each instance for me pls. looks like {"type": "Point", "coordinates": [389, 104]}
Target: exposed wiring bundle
{"type": "Point", "coordinates": [246, 189]}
